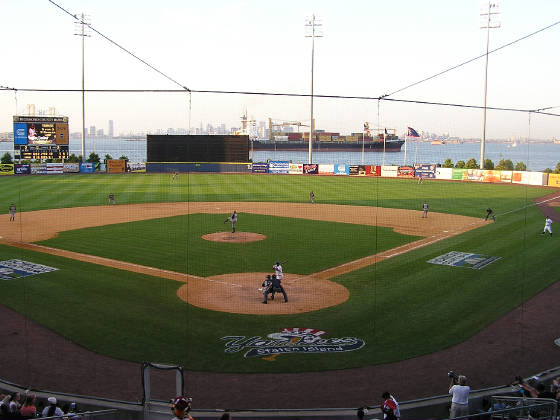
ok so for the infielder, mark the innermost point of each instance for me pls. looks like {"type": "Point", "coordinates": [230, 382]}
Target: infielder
{"type": "Point", "coordinates": [547, 226]}
{"type": "Point", "coordinates": [312, 197]}
{"type": "Point", "coordinates": [489, 214]}
{"type": "Point", "coordinates": [233, 220]}
{"type": "Point", "coordinates": [12, 212]}
{"type": "Point", "coordinates": [425, 209]}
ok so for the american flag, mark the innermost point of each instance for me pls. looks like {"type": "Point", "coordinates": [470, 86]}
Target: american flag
{"type": "Point", "coordinates": [412, 132]}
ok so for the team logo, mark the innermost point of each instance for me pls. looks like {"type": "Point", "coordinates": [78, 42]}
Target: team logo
{"type": "Point", "coordinates": [464, 259]}
{"type": "Point", "coordinates": [13, 269]}
{"type": "Point", "coordinates": [289, 341]}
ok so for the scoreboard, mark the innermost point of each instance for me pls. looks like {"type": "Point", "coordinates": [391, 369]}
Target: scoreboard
{"type": "Point", "coordinates": [197, 148]}
{"type": "Point", "coordinates": [38, 137]}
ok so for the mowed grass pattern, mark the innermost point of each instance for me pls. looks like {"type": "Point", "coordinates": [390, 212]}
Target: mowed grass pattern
{"type": "Point", "coordinates": [402, 307]}
{"type": "Point", "coordinates": [175, 243]}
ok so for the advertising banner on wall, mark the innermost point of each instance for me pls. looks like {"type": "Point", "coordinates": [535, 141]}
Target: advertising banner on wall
{"type": "Point", "coordinates": [445, 173]}
{"type": "Point", "coordinates": [405, 172]}
{"type": "Point", "coordinates": [391, 171]}
{"type": "Point", "coordinates": [87, 167]}
{"type": "Point", "coordinates": [520, 177]}
{"type": "Point", "coordinates": [537, 178]}
{"type": "Point", "coordinates": [326, 169]}
{"type": "Point", "coordinates": [71, 168]}
{"type": "Point", "coordinates": [554, 180]}
{"type": "Point", "coordinates": [474, 175]}
{"type": "Point", "coordinates": [55, 168]}
{"type": "Point", "coordinates": [373, 170]}
{"type": "Point", "coordinates": [341, 169]}
{"type": "Point", "coordinates": [38, 169]}
{"type": "Point", "coordinates": [296, 168]}
{"type": "Point", "coordinates": [6, 168]}
{"type": "Point", "coordinates": [278, 167]}
{"type": "Point", "coordinates": [491, 176]}
{"type": "Point", "coordinates": [137, 166]}
{"type": "Point", "coordinates": [259, 167]}
{"type": "Point", "coordinates": [357, 170]}
{"type": "Point", "coordinates": [310, 168]}
{"type": "Point", "coordinates": [458, 173]}
{"type": "Point", "coordinates": [116, 166]}
{"type": "Point", "coordinates": [22, 169]}
{"type": "Point", "coordinates": [505, 176]}
{"type": "Point", "coordinates": [425, 170]}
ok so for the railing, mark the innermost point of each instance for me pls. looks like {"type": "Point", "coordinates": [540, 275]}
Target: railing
{"type": "Point", "coordinates": [85, 415]}
{"type": "Point", "coordinates": [520, 407]}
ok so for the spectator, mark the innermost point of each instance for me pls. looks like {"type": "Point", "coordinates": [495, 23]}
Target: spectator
{"type": "Point", "coordinates": [14, 404]}
{"type": "Point", "coordinates": [397, 412]}
{"type": "Point", "coordinates": [388, 407]}
{"type": "Point", "coordinates": [52, 409]}
{"type": "Point", "coordinates": [460, 397]}
{"type": "Point", "coordinates": [225, 416]}
{"type": "Point", "coordinates": [4, 411]}
{"type": "Point", "coordinates": [540, 391]}
{"type": "Point", "coordinates": [181, 407]}
{"type": "Point", "coordinates": [28, 409]}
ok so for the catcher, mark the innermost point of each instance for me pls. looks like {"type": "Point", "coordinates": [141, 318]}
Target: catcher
{"type": "Point", "coordinates": [266, 288]}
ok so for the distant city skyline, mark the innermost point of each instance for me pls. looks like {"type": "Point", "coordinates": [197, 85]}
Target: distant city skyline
{"type": "Point", "coordinates": [368, 49]}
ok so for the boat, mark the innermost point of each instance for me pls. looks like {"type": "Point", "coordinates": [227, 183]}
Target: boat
{"type": "Point", "coordinates": [387, 141]}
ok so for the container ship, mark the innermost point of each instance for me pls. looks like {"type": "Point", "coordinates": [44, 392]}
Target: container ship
{"type": "Point", "coordinates": [331, 142]}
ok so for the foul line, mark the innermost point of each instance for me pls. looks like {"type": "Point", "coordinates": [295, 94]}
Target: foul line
{"type": "Point", "coordinates": [536, 203]}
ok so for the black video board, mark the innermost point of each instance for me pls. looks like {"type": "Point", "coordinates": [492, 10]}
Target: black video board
{"type": "Point", "coordinates": [197, 148]}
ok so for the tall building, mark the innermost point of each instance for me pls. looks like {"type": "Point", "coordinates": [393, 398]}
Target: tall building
{"type": "Point", "coordinates": [92, 131]}
{"type": "Point", "coordinates": [111, 129]}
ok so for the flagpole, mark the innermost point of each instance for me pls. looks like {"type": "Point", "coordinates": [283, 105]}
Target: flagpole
{"type": "Point", "coordinates": [405, 138]}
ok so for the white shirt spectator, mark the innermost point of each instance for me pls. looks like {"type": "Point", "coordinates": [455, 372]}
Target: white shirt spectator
{"type": "Point", "coordinates": [460, 394]}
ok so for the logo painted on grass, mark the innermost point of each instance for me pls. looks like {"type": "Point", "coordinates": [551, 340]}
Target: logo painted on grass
{"type": "Point", "coordinates": [464, 259]}
{"type": "Point", "coordinates": [291, 340]}
{"type": "Point", "coordinates": [13, 269]}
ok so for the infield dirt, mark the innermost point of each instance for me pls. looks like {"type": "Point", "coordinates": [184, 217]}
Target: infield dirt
{"type": "Point", "coordinates": [237, 292]}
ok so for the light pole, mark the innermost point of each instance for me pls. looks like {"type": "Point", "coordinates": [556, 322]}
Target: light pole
{"type": "Point", "coordinates": [486, 24]}
{"type": "Point", "coordinates": [312, 24]}
{"type": "Point", "coordinates": [82, 32]}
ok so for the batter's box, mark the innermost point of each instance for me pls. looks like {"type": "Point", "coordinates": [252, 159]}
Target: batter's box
{"type": "Point", "coordinates": [463, 259]}
{"type": "Point", "coordinates": [13, 269]}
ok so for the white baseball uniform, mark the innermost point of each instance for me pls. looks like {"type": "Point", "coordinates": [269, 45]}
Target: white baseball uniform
{"type": "Point", "coordinates": [547, 225]}
{"type": "Point", "coordinates": [278, 271]}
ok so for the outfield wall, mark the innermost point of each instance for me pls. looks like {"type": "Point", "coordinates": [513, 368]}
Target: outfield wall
{"type": "Point", "coordinates": [423, 170]}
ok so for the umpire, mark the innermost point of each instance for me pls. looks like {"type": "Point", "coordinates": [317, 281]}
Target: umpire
{"type": "Point", "coordinates": [277, 287]}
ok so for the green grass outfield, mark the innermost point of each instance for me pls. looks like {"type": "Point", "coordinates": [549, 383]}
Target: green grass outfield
{"type": "Point", "coordinates": [401, 308]}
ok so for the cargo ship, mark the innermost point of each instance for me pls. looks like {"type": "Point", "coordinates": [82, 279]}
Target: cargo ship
{"type": "Point", "coordinates": [331, 142]}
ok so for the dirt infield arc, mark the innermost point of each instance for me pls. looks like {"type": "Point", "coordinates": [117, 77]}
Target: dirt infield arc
{"type": "Point", "coordinates": [305, 295]}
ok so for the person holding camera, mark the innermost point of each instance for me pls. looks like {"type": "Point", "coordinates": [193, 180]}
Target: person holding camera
{"type": "Point", "coordinates": [459, 391]}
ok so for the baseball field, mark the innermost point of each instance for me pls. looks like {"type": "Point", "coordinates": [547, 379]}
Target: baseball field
{"type": "Point", "coordinates": [138, 280]}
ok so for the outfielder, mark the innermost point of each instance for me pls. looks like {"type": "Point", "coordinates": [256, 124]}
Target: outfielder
{"type": "Point", "coordinates": [547, 226]}
{"type": "Point", "coordinates": [233, 220]}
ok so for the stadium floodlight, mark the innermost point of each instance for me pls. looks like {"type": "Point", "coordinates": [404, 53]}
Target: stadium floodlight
{"type": "Point", "coordinates": [82, 26]}
{"type": "Point", "coordinates": [488, 15]}
{"type": "Point", "coordinates": [314, 28]}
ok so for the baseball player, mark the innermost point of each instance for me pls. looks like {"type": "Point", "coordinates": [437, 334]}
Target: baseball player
{"type": "Point", "coordinates": [312, 197]}
{"type": "Point", "coordinates": [111, 198]}
{"type": "Point", "coordinates": [278, 271]}
{"type": "Point", "coordinates": [547, 226]}
{"type": "Point", "coordinates": [12, 212]}
{"type": "Point", "coordinates": [277, 287]}
{"type": "Point", "coordinates": [233, 220]}
{"type": "Point", "coordinates": [489, 214]}
{"type": "Point", "coordinates": [266, 288]}
{"type": "Point", "coordinates": [425, 209]}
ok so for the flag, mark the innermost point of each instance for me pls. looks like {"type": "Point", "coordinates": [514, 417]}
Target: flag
{"type": "Point", "coordinates": [412, 132]}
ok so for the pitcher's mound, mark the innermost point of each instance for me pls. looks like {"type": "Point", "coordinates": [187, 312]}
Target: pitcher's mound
{"type": "Point", "coordinates": [237, 237]}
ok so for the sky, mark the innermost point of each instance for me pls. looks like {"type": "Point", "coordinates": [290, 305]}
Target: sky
{"type": "Point", "coordinates": [368, 48]}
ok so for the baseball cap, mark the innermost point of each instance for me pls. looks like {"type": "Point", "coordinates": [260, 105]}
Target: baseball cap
{"type": "Point", "coordinates": [180, 403]}
{"type": "Point", "coordinates": [51, 400]}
